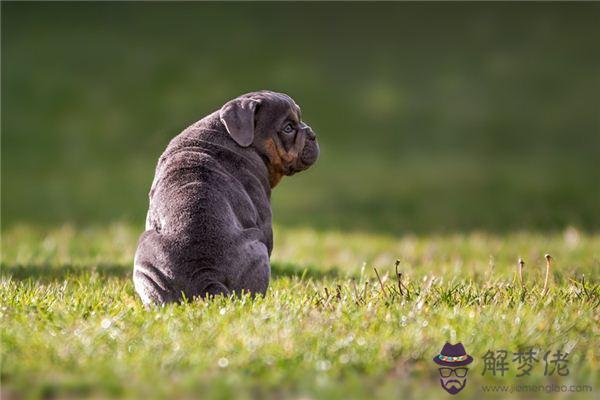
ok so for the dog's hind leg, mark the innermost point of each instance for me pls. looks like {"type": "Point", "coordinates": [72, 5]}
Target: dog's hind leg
{"type": "Point", "coordinates": [150, 273]}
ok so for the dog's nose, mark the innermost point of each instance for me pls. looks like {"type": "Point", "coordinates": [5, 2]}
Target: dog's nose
{"type": "Point", "coordinates": [311, 135]}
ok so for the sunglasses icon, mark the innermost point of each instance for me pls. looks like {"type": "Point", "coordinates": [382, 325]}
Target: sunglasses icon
{"type": "Point", "coordinates": [459, 372]}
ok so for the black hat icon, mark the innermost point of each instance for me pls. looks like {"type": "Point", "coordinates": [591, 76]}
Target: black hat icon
{"type": "Point", "coordinates": [453, 355]}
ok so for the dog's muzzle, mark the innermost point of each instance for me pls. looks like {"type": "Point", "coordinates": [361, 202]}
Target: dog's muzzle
{"type": "Point", "coordinates": [310, 151]}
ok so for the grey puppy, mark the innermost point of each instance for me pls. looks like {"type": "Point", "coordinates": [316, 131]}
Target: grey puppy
{"type": "Point", "coordinates": [208, 229]}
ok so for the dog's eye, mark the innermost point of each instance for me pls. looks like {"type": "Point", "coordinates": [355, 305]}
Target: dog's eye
{"type": "Point", "coordinates": [288, 128]}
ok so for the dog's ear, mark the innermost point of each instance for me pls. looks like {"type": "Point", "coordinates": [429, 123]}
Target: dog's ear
{"type": "Point", "coordinates": [238, 117]}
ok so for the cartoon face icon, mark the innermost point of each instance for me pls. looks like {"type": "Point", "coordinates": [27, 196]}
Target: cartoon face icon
{"type": "Point", "coordinates": [453, 380]}
{"type": "Point", "coordinates": [452, 361]}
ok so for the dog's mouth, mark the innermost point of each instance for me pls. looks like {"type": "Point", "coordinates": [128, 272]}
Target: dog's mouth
{"type": "Point", "coordinates": [309, 154]}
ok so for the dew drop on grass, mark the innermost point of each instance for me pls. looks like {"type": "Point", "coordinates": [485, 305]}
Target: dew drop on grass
{"type": "Point", "coordinates": [223, 362]}
{"type": "Point", "coordinates": [323, 365]}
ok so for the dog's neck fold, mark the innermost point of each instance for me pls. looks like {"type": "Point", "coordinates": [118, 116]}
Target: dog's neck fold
{"type": "Point", "coordinates": [274, 161]}
{"type": "Point", "coordinates": [209, 134]}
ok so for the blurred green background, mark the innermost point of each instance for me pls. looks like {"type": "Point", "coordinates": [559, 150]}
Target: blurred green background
{"type": "Point", "coordinates": [431, 117]}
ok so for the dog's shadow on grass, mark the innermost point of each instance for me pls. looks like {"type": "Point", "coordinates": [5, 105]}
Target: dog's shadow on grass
{"type": "Point", "coordinates": [49, 272]}
{"type": "Point", "coordinates": [53, 273]}
{"type": "Point", "coordinates": [280, 270]}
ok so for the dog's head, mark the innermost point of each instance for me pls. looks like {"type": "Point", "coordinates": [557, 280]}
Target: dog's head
{"type": "Point", "coordinates": [271, 123]}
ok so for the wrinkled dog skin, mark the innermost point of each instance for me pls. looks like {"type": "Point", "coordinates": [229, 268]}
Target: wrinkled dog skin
{"type": "Point", "coordinates": [208, 229]}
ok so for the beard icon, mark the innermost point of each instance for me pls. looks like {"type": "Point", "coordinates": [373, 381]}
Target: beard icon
{"type": "Point", "coordinates": [453, 384]}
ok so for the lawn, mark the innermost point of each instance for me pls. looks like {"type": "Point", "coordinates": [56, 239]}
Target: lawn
{"type": "Point", "coordinates": [454, 138]}
{"type": "Point", "coordinates": [328, 327]}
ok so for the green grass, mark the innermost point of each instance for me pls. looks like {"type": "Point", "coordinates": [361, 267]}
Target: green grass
{"type": "Point", "coordinates": [72, 325]}
{"type": "Point", "coordinates": [455, 138]}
